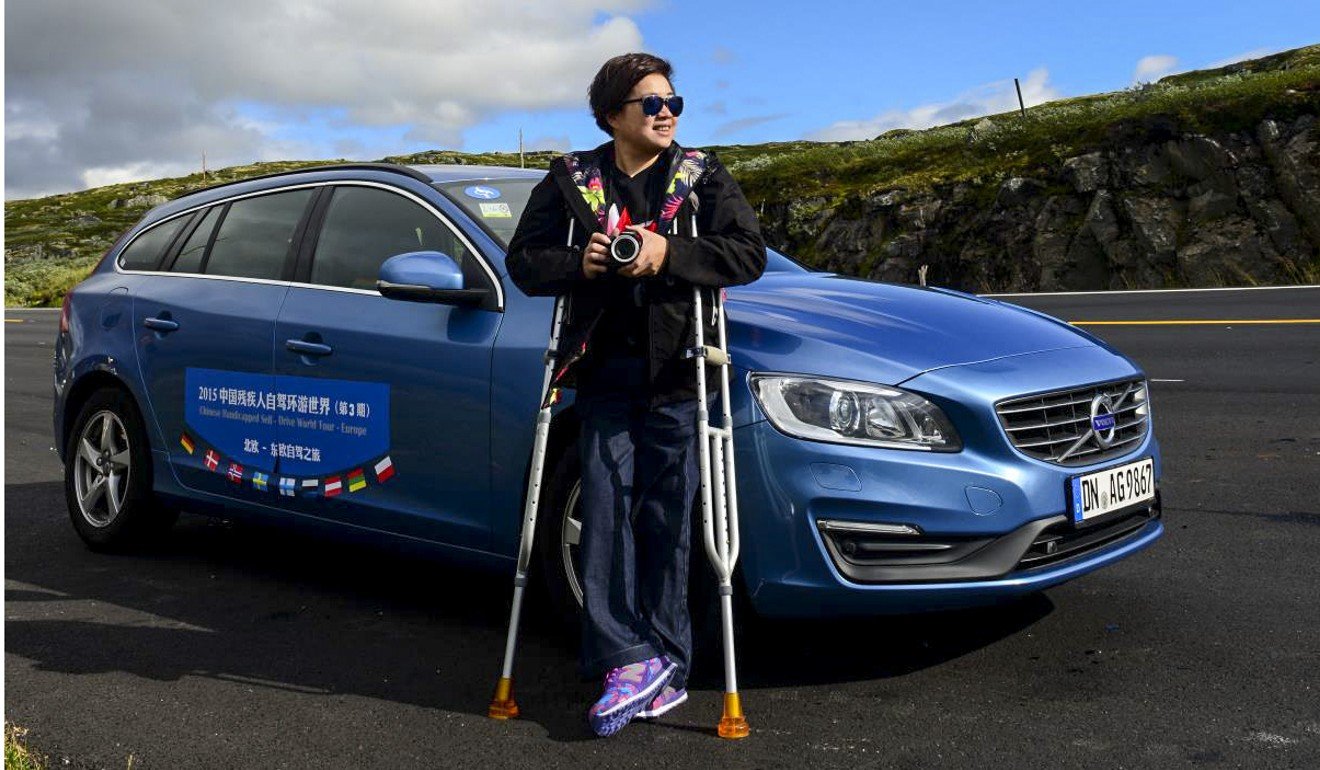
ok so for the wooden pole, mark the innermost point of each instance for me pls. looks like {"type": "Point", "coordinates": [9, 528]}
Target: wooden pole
{"type": "Point", "coordinates": [1021, 106]}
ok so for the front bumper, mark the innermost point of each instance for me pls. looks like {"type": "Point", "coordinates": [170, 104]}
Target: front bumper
{"type": "Point", "coordinates": [863, 556]}
{"type": "Point", "coordinates": [1001, 516]}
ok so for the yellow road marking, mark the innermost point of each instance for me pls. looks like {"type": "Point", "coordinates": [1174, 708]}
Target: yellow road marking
{"type": "Point", "coordinates": [14, 321]}
{"type": "Point", "coordinates": [1219, 322]}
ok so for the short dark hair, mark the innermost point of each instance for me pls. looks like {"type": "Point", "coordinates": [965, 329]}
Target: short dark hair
{"type": "Point", "coordinates": [616, 79]}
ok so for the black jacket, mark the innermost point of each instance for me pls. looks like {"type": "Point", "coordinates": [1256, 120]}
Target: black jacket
{"type": "Point", "coordinates": [728, 251]}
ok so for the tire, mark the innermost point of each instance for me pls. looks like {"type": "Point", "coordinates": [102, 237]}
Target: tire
{"type": "Point", "coordinates": [107, 475]}
{"type": "Point", "coordinates": [559, 523]}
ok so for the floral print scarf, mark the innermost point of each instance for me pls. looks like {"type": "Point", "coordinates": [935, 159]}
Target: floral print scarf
{"type": "Point", "coordinates": [687, 168]}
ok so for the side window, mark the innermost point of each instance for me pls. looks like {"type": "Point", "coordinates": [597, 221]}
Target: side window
{"type": "Point", "coordinates": [144, 252]}
{"type": "Point", "coordinates": [364, 226]}
{"type": "Point", "coordinates": [256, 234]}
{"type": "Point", "coordinates": [190, 256]}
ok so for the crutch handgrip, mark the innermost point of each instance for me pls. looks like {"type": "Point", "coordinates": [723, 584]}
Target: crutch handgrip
{"type": "Point", "coordinates": [714, 356]}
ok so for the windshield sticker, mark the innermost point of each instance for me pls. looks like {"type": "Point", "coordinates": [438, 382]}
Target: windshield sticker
{"type": "Point", "coordinates": [481, 192]}
{"type": "Point", "coordinates": [289, 435]}
{"type": "Point", "coordinates": [495, 210]}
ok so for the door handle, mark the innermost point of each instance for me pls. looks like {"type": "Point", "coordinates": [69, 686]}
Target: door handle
{"type": "Point", "coordinates": [303, 347]}
{"type": "Point", "coordinates": [160, 324]}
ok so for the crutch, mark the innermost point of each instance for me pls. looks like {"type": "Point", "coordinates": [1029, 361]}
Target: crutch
{"type": "Point", "coordinates": [502, 705]}
{"type": "Point", "coordinates": [719, 497]}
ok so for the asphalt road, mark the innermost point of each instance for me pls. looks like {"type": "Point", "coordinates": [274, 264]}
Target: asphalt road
{"type": "Point", "coordinates": [235, 646]}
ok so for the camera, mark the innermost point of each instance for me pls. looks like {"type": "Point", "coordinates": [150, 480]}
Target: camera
{"type": "Point", "coordinates": [624, 249]}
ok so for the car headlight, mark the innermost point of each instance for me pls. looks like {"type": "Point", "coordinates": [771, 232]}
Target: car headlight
{"type": "Point", "coordinates": [858, 413]}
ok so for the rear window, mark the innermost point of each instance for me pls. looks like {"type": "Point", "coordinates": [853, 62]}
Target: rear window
{"type": "Point", "coordinates": [256, 234]}
{"type": "Point", "coordinates": [495, 205]}
{"type": "Point", "coordinates": [190, 256]}
{"type": "Point", "coordinates": [145, 251]}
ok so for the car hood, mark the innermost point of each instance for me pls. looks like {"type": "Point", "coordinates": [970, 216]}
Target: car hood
{"type": "Point", "coordinates": [826, 324]}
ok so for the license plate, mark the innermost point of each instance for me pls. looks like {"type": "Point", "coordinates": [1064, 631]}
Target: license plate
{"type": "Point", "coordinates": [1096, 494]}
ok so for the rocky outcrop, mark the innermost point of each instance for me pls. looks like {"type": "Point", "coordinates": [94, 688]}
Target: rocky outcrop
{"type": "Point", "coordinates": [1174, 210]}
{"type": "Point", "coordinates": [138, 201]}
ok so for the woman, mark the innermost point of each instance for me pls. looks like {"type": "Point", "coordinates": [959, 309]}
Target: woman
{"type": "Point", "coordinates": [622, 346]}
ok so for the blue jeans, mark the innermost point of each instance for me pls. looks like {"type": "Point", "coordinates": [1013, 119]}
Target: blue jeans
{"type": "Point", "coordinates": [639, 478]}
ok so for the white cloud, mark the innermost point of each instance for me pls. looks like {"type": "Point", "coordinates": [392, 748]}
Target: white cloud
{"type": "Point", "coordinates": [988, 99]}
{"type": "Point", "coordinates": [1153, 67]}
{"type": "Point", "coordinates": [1254, 53]}
{"type": "Point", "coordinates": [152, 83]}
{"type": "Point", "coordinates": [100, 176]}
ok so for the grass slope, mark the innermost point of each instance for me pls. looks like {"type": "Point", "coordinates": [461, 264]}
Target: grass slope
{"type": "Point", "coordinates": [53, 242]}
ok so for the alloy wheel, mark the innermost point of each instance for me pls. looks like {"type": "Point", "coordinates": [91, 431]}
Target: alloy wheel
{"type": "Point", "coordinates": [101, 469]}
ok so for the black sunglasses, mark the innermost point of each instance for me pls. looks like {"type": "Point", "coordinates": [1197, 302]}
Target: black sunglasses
{"type": "Point", "coordinates": [651, 105]}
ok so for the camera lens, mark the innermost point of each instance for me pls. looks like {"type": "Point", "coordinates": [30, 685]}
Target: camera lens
{"type": "Point", "coordinates": [625, 247]}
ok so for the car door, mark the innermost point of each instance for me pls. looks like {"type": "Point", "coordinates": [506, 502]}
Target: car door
{"type": "Point", "coordinates": [385, 422]}
{"type": "Point", "coordinates": [204, 323]}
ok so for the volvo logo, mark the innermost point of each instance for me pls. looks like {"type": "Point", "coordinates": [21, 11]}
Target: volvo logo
{"type": "Point", "coordinates": [1103, 421]}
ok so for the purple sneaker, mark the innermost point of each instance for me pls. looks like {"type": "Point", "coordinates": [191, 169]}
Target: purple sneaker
{"type": "Point", "coordinates": [666, 700]}
{"type": "Point", "coordinates": [628, 689]}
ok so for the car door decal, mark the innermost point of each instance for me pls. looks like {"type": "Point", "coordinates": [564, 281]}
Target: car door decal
{"type": "Point", "coordinates": [334, 434]}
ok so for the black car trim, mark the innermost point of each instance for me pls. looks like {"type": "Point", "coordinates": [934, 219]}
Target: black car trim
{"type": "Point", "coordinates": [882, 558]}
{"type": "Point", "coordinates": [305, 236]}
{"type": "Point", "coordinates": [302, 268]}
{"type": "Point", "coordinates": [210, 240]}
{"type": "Point", "coordinates": [171, 252]}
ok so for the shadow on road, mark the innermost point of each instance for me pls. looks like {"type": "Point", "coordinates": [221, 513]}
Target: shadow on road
{"type": "Point", "coordinates": [275, 608]}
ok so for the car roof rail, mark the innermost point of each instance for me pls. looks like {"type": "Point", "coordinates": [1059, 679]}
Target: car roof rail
{"type": "Point", "coordinates": [393, 168]}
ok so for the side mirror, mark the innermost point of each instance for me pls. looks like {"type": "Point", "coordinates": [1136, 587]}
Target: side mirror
{"type": "Point", "coordinates": [426, 276]}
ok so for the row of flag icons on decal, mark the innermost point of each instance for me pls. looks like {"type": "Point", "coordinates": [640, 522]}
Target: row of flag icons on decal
{"type": "Point", "coordinates": [288, 486]}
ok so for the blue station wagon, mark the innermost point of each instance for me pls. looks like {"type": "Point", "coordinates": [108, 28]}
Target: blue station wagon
{"type": "Point", "coordinates": [341, 346]}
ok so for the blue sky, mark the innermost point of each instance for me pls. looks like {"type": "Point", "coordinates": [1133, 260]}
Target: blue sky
{"type": "Point", "coordinates": [755, 75]}
{"type": "Point", "coordinates": [134, 94]}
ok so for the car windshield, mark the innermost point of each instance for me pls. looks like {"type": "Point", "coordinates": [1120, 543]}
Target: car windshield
{"type": "Point", "coordinates": [497, 205]}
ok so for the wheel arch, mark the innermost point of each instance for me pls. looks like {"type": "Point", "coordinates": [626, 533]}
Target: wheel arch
{"type": "Point", "coordinates": [82, 389]}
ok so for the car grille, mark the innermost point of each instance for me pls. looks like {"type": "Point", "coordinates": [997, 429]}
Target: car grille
{"type": "Point", "coordinates": [1056, 427]}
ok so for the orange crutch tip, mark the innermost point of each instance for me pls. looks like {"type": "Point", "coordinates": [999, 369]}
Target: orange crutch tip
{"type": "Point", "coordinates": [733, 724]}
{"type": "Point", "coordinates": [503, 706]}
{"type": "Point", "coordinates": [734, 728]}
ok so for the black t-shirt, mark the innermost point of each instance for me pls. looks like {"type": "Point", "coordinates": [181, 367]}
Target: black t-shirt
{"type": "Point", "coordinates": [622, 331]}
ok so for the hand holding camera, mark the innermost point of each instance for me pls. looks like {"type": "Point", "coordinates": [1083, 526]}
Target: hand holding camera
{"type": "Point", "coordinates": [596, 256]}
{"type": "Point", "coordinates": [634, 253]}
